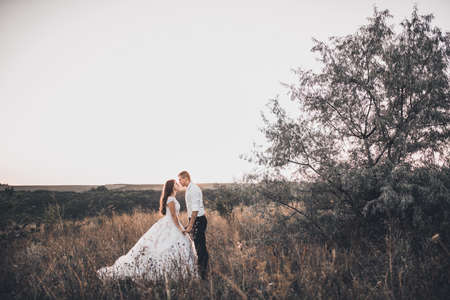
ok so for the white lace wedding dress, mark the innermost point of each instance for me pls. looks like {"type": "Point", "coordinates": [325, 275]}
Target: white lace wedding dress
{"type": "Point", "coordinates": [162, 251]}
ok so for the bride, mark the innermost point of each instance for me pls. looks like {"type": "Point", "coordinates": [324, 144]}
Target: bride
{"type": "Point", "coordinates": [164, 250]}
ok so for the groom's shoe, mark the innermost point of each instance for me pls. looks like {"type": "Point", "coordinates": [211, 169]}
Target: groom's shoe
{"type": "Point", "coordinates": [204, 273]}
{"type": "Point", "coordinates": [203, 276]}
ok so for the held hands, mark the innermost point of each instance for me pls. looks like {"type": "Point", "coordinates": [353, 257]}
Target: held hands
{"type": "Point", "coordinates": [185, 230]}
{"type": "Point", "coordinates": [188, 229]}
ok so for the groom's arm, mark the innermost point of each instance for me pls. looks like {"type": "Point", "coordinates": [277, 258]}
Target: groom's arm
{"type": "Point", "coordinates": [196, 198]}
{"type": "Point", "coordinates": [191, 223]}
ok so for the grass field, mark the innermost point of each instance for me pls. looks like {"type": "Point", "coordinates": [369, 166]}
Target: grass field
{"type": "Point", "coordinates": [250, 257]}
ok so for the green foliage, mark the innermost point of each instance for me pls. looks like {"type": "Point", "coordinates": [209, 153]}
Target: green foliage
{"type": "Point", "coordinates": [100, 188]}
{"type": "Point", "coordinates": [226, 197]}
{"type": "Point", "coordinates": [370, 134]}
{"type": "Point", "coordinates": [19, 208]}
{"type": "Point", "coordinates": [24, 207]}
{"type": "Point", "coordinates": [53, 214]}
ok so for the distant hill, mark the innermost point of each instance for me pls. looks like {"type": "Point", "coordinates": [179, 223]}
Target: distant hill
{"type": "Point", "coordinates": [84, 188]}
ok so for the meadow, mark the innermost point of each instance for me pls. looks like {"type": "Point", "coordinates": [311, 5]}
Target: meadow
{"type": "Point", "coordinates": [254, 254]}
{"type": "Point", "coordinates": [363, 211]}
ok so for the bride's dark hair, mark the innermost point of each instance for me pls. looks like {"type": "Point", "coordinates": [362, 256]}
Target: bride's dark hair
{"type": "Point", "coordinates": [166, 192]}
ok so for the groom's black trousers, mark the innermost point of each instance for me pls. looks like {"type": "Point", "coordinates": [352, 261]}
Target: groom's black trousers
{"type": "Point", "coordinates": [199, 230]}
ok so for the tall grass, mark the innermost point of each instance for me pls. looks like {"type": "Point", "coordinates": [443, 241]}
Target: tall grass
{"type": "Point", "coordinates": [250, 257]}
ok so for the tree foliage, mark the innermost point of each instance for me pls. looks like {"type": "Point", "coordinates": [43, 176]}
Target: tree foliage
{"type": "Point", "coordinates": [371, 120]}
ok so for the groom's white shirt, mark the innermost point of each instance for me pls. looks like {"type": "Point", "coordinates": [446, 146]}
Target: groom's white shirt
{"type": "Point", "coordinates": [194, 200]}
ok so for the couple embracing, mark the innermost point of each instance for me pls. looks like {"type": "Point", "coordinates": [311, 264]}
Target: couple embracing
{"type": "Point", "coordinates": [166, 250]}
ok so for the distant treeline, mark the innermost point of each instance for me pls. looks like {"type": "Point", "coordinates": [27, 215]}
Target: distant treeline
{"type": "Point", "coordinates": [19, 208]}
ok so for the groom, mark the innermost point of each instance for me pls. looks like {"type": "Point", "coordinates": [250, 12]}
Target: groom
{"type": "Point", "coordinates": [197, 219]}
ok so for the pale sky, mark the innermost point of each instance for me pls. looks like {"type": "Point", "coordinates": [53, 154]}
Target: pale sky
{"type": "Point", "coordinates": [101, 92]}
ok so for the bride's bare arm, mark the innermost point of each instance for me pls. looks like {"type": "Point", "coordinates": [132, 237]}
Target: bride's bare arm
{"type": "Point", "coordinates": [173, 213]}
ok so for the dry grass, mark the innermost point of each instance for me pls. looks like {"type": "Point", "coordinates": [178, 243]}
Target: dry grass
{"type": "Point", "coordinates": [248, 260]}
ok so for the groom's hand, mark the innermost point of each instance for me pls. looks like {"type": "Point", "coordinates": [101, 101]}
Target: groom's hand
{"type": "Point", "coordinates": [188, 229]}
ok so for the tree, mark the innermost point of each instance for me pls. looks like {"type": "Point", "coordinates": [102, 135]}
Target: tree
{"type": "Point", "coordinates": [380, 102]}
